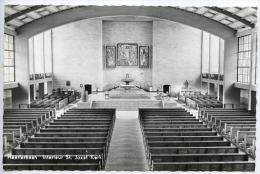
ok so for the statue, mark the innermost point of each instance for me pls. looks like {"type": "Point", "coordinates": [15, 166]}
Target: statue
{"type": "Point", "coordinates": [185, 85]}
{"type": "Point", "coordinates": [84, 94]}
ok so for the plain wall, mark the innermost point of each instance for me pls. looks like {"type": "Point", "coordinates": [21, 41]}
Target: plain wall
{"type": "Point", "coordinates": [231, 94]}
{"type": "Point", "coordinates": [77, 54]}
{"type": "Point", "coordinates": [177, 55]}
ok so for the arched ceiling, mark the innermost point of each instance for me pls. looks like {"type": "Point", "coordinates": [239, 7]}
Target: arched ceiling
{"type": "Point", "coordinates": [238, 19]}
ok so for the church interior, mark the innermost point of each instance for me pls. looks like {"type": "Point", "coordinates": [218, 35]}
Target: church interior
{"type": "Point", "coordinates": [129, 88]}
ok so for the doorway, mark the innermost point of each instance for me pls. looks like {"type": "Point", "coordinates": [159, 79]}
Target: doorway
{"type": "Point", "coordinates": [166, 88]}
{"type": "Point", "coordinates": [88, 88]}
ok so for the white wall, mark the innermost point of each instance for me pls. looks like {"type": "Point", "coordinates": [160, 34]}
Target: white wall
{"type": "Point", "coordinates": [77, 54]}
{"type": "Point", "coordinates": [177, 55]}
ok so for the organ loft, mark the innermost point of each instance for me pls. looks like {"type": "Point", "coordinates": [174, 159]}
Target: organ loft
{"type": "Point", "coordinates": [129, 88]}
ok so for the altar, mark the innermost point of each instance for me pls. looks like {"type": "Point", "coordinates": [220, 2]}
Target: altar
{"type": "Point", "coordinates": [127, 87]}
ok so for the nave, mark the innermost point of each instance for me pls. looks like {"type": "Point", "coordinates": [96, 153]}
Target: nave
{"type": "Point", "coordinates": [149, 139]}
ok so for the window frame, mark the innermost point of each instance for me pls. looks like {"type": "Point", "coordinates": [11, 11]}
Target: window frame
{"type": "Point", "coordinates": [244, 59]}
{"type": "Point", "coordinates": [7, 51]}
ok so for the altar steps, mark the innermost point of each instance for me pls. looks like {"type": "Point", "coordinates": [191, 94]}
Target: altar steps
{"type": "Point", "coordinates": [127, 105]}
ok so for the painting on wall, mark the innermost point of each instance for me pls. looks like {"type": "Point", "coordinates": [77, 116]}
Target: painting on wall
{"type": "Point", "coordinates": [144, 56]}
{"type": "Point", "coordinates": [127, 54]}
{"type": "Point", "coordinates": [110, 56]}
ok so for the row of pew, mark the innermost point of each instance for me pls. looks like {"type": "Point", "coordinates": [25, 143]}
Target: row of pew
{"type": "Point", "coordinates": [198, 100]}
{"type": "Point", "coordinates": [18, 124]}
{"type": "Point", "coordinates": [237, 125]}
{"type": "Point", "coordinates": [53, 100]}
{"type": "Point", "coordinates": [175, 140]}
{"type": "Point", "coordinates": [77, 140]}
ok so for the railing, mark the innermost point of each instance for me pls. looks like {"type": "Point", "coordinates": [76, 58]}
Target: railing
{"type": "Point", "coordinates": [24, 106]}
{"type": "Point", "coordinates": [39, 76]}
{"type": "Point", "coordinates": [225, 105]}
{"type": "Point", "coordinates": [48, 75]}
{"type": "Point", "coordinates": [219, 77]}
{"type": "Point", "coordinates": [214, 76]}
{"type": "Point", "coordinates": [205, 75]}
{"type": "Point", "coordinates": [31, 76]}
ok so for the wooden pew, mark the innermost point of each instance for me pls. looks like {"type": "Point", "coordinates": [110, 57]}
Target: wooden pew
{"type": "Point", "coordinates": [184, 138]}
{"type": "Point", "coordinates": [234, 131]}
{"type": "Point", "coordinates": [68, 139]}
{"type": "Point", "coordinates": [209, 117]}
{"type": "Point", "coordinates": [80, 123]}
{"type": "Point", "coordinates": [92, 118]}
{"type": "Point", "coordinates": [9, 137]}
{"type": "Point", "coordinates": [62, 145]}
{"type": "Point", "coordinates": [15, 159]}
{"type": "Point", "coordinates": [223, 122]}
{"type": "Point", "coordinates": [52, 111]}
{"type": "Point", "coordinates": [170, 117]}
{"type": "Point", "coordinates": [34, 121]}
{"type": "Point", "coordinates": [83, 120]}
{"type": "Point", "coordinates": [87, 114]}
{"type": "Point", "coordinates": [24, 113]}
{"type": "Point", "coordinates": [163, 119]}
{"type": "Point", "coordinates": [58, 151]}
{"type": "Point", "coordinates": [184, 113]}
{"type": "Point", "coordinates": [51, 159]}
{"type": "Point", "coordinates": [75, 130]}
{"type": "Point", "coordinates": [175, 130]}
{"type": "Point", "coordinates": [216, 119]}
{"type": "Point", "coordinates": [248, 140]}
{"type": "Point", "coordinates": [5, 143]}
{"type": "Point", "coordinates": [242, 132]}
{"type": "Point", "coordinates": [169, 122]}
{"type": "Point", "coordinates": [188, 143]}
{"type": "Point", "coordinates": [190, 133]}
{"type": "Point", "coordinates": [23, 127]}
{"type": "Point", "coordinates": [29, 124]}
{"type": "Point", "coordinates": [77, 126]}
{"type": "Point", "coordinates": [17, 132]}
{"type": "Point", "coordinates": [193, 150]}
{"type": "Point", "coordinates": [176, 126]}
{"type": "Point", "coordinates": [202, 111]}
{"type": "Point", "coordinates": [229, 126]}
{"type": "Point", "coordinates": [39, 118]}
{"type": "Point", "coordinates": [204, 166]}
{"type": "Point", "coordinates": [71, 134]}
{"type": "Point", "coordinates": [59, 167]}
{"type": "Point", "coordinates": [198, 157]}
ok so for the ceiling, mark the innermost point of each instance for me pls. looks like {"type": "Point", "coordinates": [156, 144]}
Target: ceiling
{"type": "Point", "coordinates": [237, 18]}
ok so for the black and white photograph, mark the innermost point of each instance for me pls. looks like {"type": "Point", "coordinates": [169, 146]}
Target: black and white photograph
{"type": "Point", "coordinates": [130, 86]}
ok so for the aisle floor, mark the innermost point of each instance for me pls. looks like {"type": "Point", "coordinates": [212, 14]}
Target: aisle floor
{"type": "Point", "coordinates": [126, 151]}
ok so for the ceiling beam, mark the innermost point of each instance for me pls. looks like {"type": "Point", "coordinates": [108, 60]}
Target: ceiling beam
{"type": "Point", "coordinates": [23, 12]}
{"type": "Point", "coordinates": [236, 17]}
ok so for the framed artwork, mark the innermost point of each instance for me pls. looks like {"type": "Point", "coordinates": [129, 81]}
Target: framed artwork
{"type": "Point", "coordinates": [127, 54]}
{"type": "Point", "coordinates": [67, 83]}
{"type": "Point", "coordinates": [144, 56]}
{"type": "Point", "coordinates": [110, 56]}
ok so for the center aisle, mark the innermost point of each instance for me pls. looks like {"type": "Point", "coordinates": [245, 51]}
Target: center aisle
{"type": "Point", "coordinates": [126, 151]}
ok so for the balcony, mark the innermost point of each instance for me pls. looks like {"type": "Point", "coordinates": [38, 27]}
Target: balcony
{"type": "Point", "coordinates": [214, 76]}
{"type": "Point", "coordinates": [48, 75]}
{"type": "Point", "coordinates": [205, 75]}
{"type": "Point", "coordinates": [39, 76]}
